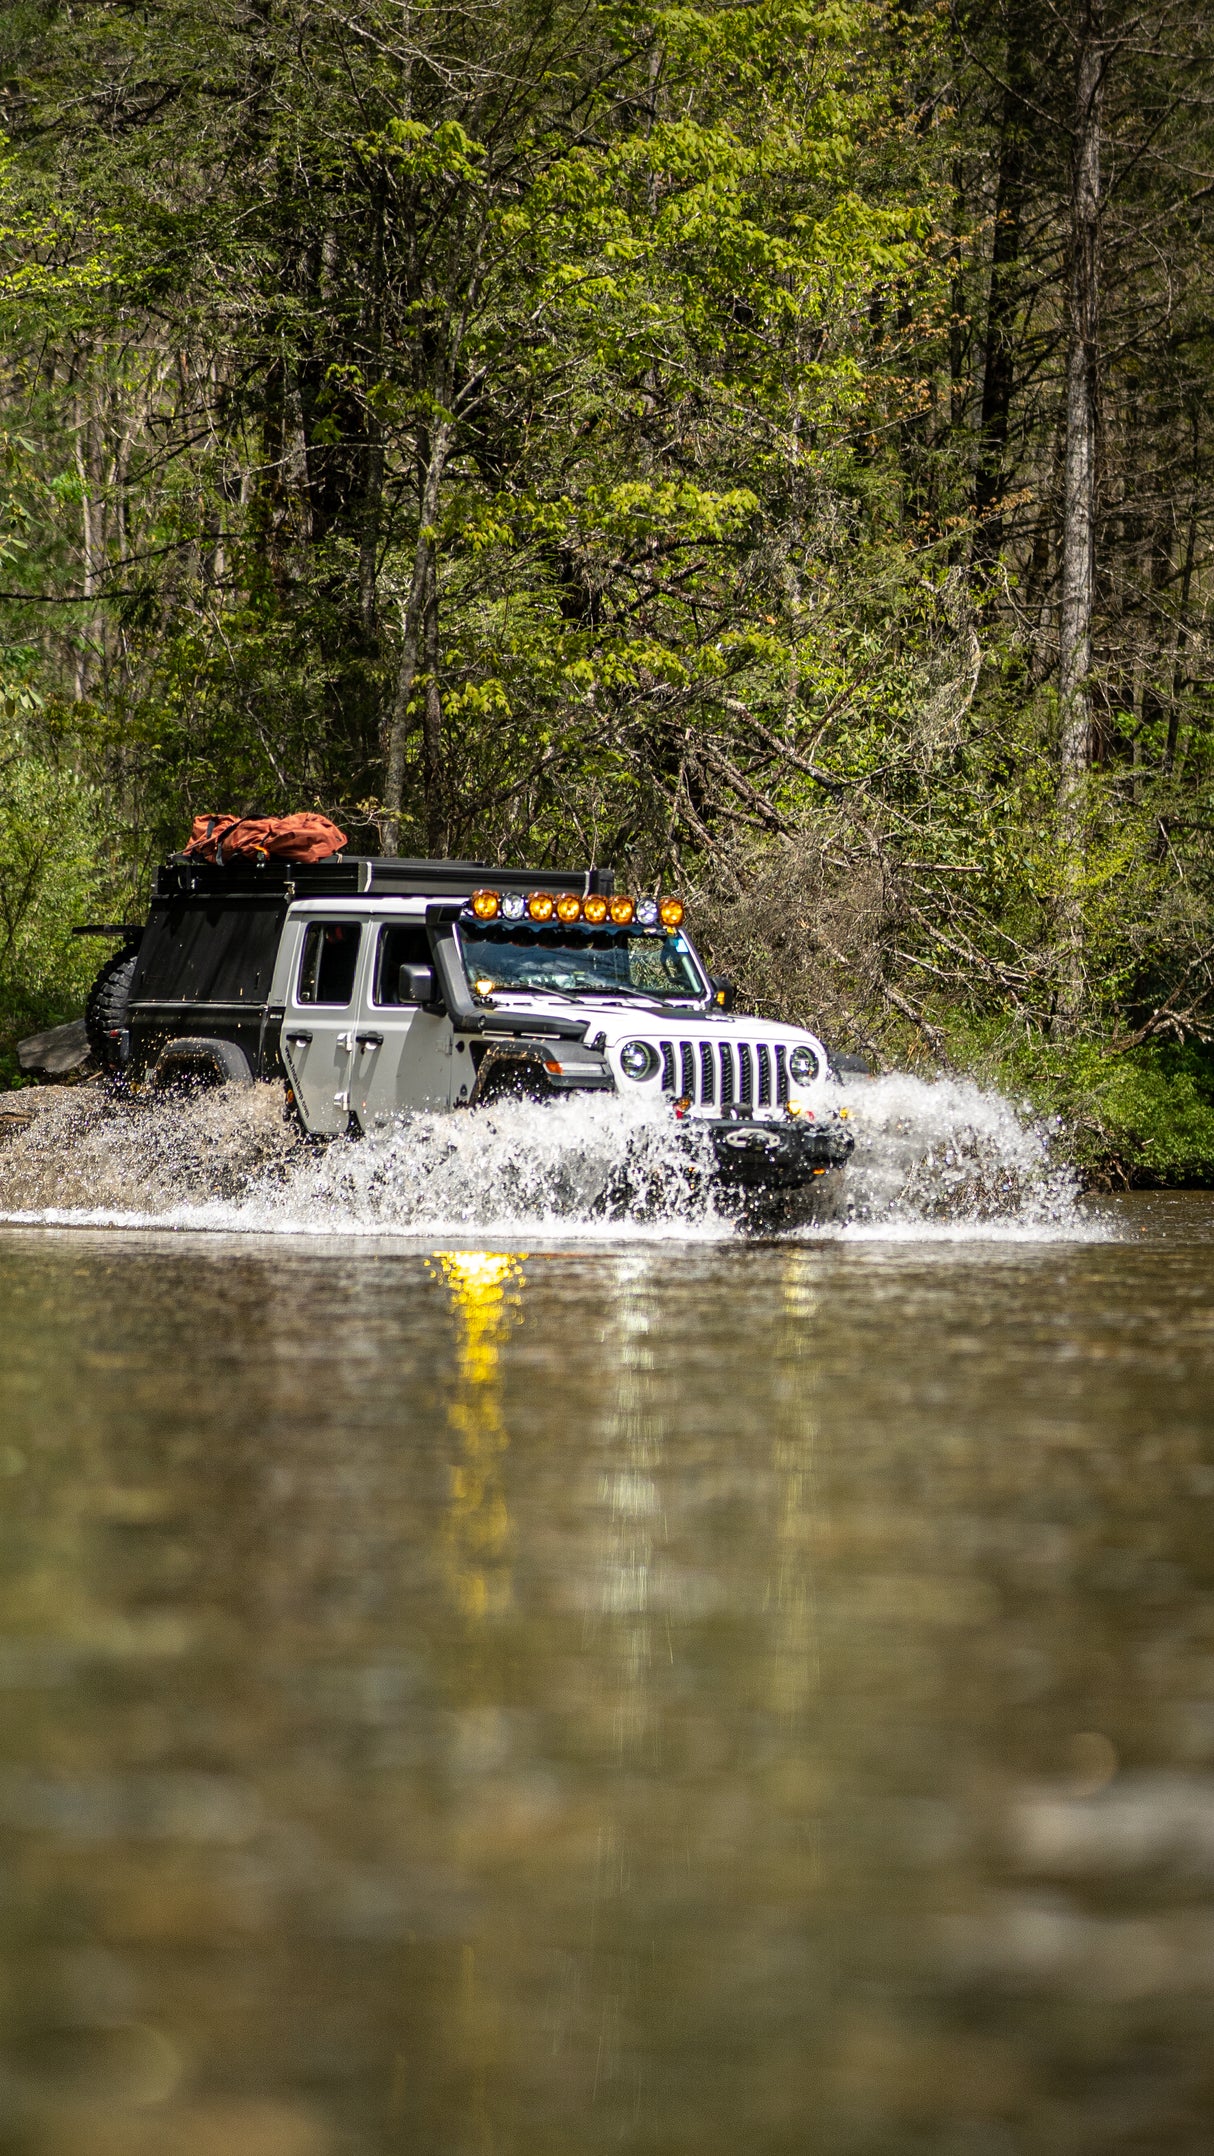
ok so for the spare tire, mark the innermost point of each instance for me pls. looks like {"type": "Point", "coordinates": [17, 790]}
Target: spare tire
{"type": "Point", "coordinates": [106, 1011]}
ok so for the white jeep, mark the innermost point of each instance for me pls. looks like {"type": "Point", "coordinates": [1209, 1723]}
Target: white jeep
{"type": "Point", "coordinates": [378, 988]}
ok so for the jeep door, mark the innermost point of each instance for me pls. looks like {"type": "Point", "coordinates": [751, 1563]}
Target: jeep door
{"type": "Point", "coordinates": [318, 1029]}
{"type": "Point", "coordinates": [403, 1052]}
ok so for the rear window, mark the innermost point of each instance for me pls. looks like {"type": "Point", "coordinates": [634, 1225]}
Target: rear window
{"type": "Point", "coordinates": [329, 962]}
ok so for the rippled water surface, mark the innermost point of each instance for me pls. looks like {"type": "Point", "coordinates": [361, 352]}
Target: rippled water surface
{"type": "Point", "coordinates": [677, 1695]}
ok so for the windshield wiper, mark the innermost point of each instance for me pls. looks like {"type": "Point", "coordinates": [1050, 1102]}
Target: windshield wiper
{"type": "Point", "coordinates": [531, 988]}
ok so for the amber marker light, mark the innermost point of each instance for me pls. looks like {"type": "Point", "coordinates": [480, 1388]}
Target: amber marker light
{"type": "Point", "coordinates": [485, 905]}
{"type": "Point", "coordinates": [621, 911]}
{"type": "Point", "coordinates": [594, 910]}
{"type": "Point", "coordinates": [670, 912]}
{"type": "Point", "coordinates": [569, 908]}
{"type": "Point", "coordinates": [541, 905]}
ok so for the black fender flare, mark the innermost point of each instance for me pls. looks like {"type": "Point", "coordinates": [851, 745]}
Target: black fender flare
{"type": "Point", "coordinates": [543, 1068]}
{"type": "Point", "coordinates": [510, 1069]}
{"type": "Point", "coordinates": [199, 1059]}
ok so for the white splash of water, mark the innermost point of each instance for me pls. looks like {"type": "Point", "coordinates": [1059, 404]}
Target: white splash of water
{"type": "Point", "coordinates": [952, 1152]}
{"type": "Point", "coordinates": [931, 1159]}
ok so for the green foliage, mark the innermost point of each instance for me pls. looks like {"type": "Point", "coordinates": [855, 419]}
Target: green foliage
{"type": "Point", "coordinates": [1144, 1116]}
{"type": "Point", "coordinates": [51, 877]}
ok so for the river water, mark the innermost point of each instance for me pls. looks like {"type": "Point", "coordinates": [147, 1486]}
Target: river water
{"type": "Point", "coordinates": [472, 1685]}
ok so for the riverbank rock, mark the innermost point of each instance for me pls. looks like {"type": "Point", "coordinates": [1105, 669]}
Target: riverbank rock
{"type": "Point", "coordinates": [58, 1052]}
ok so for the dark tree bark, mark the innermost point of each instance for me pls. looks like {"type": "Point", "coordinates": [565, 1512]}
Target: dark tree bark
{"type": "Point", "coordinates": [1079, 504]}
{"type": "Point", "coordinates": [999, 368]}
{"type": "Point", "coordinates": [397, 731]}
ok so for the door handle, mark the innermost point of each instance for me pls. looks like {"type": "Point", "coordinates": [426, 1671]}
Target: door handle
{"type": "Point", "coordinates": [370, 1040]}
{"type": "Point", "coordinates": [298, 1040]}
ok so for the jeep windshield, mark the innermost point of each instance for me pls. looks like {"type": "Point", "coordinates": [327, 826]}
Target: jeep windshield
{"type": "Point", "coordinates": [582, 961]}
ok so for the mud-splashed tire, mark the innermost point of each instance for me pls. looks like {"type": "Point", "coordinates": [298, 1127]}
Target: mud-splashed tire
{"type": "Point", "coordinates": [522, 1082]}
{"type": "Point", "coordinates": [106, 1012]}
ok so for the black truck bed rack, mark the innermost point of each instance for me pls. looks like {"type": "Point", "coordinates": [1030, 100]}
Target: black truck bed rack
{"type": "Point", "coordinates": [349, 875]}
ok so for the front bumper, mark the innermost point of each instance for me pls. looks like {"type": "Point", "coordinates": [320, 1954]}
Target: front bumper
{"type": "Point", "coordinates": [757, 1155]}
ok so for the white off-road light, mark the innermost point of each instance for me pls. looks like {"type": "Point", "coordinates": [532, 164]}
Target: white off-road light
{"type": "Point", "coordinates": [638, 1060]}
{"type": "Point", "coordinates": [647, 912]}
{"type": "Point", "coordinates": [802, 1066]}
{"type": "Point", "coordinates": [514, 906]}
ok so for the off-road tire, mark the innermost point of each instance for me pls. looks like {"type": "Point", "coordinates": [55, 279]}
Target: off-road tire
{"type": "Point", "coordinates": [105, 1012]}
{"type": "Point", "coordinates": [520, 1081]}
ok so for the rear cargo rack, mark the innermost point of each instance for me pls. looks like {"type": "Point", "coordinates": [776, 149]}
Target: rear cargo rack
{"type": "Point", "coordinates": [382, 875]}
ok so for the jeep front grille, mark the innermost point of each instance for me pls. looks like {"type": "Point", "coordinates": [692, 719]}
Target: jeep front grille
{"type": "Point", "coordinates": [733, 1074]}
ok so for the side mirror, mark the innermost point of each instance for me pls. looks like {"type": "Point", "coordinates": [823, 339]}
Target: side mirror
{"type": "Point", "coordinates": [722, 990]}
{"type": "Point", "coordinates": [415, 984]}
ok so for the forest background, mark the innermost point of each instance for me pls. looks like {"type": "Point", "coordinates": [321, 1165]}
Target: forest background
{"type": "Point", "coordinates": [766, 447]}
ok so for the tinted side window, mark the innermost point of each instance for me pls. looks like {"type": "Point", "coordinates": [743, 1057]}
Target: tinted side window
{"type": "Point", "coordinates": [408, 945]}
{"type": "Point", "coordinates": [330, 957]}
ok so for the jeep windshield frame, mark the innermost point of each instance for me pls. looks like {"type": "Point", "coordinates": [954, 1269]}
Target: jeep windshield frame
{"type": "Point", "coordinates": [517, 957]}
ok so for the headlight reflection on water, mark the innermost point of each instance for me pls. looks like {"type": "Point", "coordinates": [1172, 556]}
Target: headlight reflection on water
{"type": "Point", "coordinates": [486, 1291]}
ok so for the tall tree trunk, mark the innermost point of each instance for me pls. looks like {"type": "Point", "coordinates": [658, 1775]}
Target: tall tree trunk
{"type": "Point", "coordinates": [87, 448]}
{"type": "Point", "coordinates": [371, 506]}
{"type": "Point", "coordinates": [1079, 511]}
{"type": "Point", "coordinates": [1182, 626]}
{"type": "Point", "coordinates": [433, 786]}
{"type": "Point", "coordinates": [396, 733]}
{"type": "Point", "coordinates": [999, 365]}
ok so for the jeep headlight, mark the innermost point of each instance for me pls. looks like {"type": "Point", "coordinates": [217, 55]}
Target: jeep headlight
{"type": "Point", "coordinates": [802, 1066]}
{"type": "Point", "coordinates": [638, 1060]}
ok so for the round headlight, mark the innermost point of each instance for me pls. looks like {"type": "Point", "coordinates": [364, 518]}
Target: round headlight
{"type": "Point", "coordinates": [638, 1060]}
{"type": "Point", "coordinates": [594, 909]}
{"type": "Point", "coordinates": [485, 905]}
{"type": "Point", "coordinates": [803, 1066]}
{"type": "Point", "coordinates": [514, 906]}
{"type": "Point", "coordinates": [569, 908]}
{"type": "Point", "coordinates": [647, 912]}
{"type": "Point", "coordinates": [670, 912]}
{"type": "Point", "coordinates": [621, 911]}
{"type": "Point", "coordinates": [541, 905]}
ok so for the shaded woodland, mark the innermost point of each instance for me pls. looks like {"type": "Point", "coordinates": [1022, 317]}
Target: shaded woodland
{"type": "Point", "coordinates": [766, 447]}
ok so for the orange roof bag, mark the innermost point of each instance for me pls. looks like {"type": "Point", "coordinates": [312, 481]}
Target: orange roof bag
{"type": "Point", "coordinates": [305, 837]}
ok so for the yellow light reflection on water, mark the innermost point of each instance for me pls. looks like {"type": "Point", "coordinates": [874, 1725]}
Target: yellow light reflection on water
{"type": "Point", "coordinates": [485, 1288]}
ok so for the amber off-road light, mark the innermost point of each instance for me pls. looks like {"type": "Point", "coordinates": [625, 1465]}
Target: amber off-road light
{"type": "Point", "coordinates": [569, 908]}
{"type": "Point", "coordinates": [670, 912]}
{"type": "Point", "coordinates": [594, 910]}
{"type": "Point", "coordinates": [621, 911]}
{"type": "Point", "coordinates": [541, 905]}
{"type": "Point", "coordinates": [485, 905]}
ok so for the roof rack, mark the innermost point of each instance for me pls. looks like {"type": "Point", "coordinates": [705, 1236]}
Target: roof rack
{"type": "Point", "coordinates": [375, 873]}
